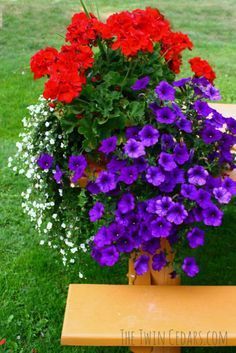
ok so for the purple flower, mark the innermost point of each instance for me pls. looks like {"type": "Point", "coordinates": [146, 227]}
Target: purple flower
{"type": "Point", "coordinates": [176, 213]}
{"type": "Point", "coordinates": [184, 125]}
{"type": "Point", "coordinates": [141, 265]}
{"type": "Point", "coordinates": [128, 175]}
{"type": "Point", "coordinates": [202, 108]}
{"type": "Point", "coordinates": [189, 191]}
{"type": "Point", "coordinates": [197, 175]}
{"type": "Point", "coordinates": [195, 237]}
{"type": "Point", "coordinates": [160, 228]}
{"type": "Point", "coordinates": [132, 132]}
{"type": "Point", "coordinates": [77, 163]}
{"type": "Point", "coordinates": [125, 244]}
{"type": "Point", "coordinates": [231, 123]}
{"type": "Point", "coordinates": [181, 154]}
{"type": "Point", "coordinates": [93, 188]}
{"type": "Point", "coordinates": [159, 261]}
{"type": "Point", "coordinates": [121, 218]}
{"type": "Point", "coordinates": [190, 266]}
{"type": "Point", "coordinates": [165, 91]}
{"type": "Point", "coordinates": [108, 145]}
{"type": "Point", "coordinates": [222, 195]}
{"type": "Point", "coordinates": [212, 216]}
{"type": "Point", "coordinates": [149, 135]}
{"type": "Point", "coordinates": [102, 238]}
{"type": "Point", "coordinates": [151, 246]}
{"type": "Point", "coordinates": [217, 119]}
{"type": "Point", "coordinates": [229, 185]}
{"type": "Point", "coordinates": [141, 83]}
{"type": "Point", "coordinates": [167, 142]}
{"type": "Point", "coordinates": [167, 162]}
{"type": "Point", "coordinates": [45, 161]}
{"type": "Point", "coordinates": [155, 176]}
{"type": "Point", "coordinates": [165, 115]}
{"type": "Point", "coordinates": [212, 93]}
{"type": "Point", "coordinates": [106, 181]}
{"type": "Point", "coordinates": [162, 206]}
{"type": "Point", "coordinates": [96, 212]}
{"type": "Point", "coordinates": [115, 231]}
{"type": "Point", "coordinates": [134, 149]}
{"type": "Point", "coordinates": [108, 256]}
{"type": "Point", "coordinates": [57, 175]}
{"type": "Point", "coordinates": [178, 175]}
{"type": "Point", "coordinates": [182, 82]}
{"type": "Point", "coordinates": [209, 134]}
{"type": "Point", "coordinates": [116, 165]}
{"type": "Point", "coordinates": [203, 199]}
{"type": "Point", "coordinates": [126, 203]}
{"type": "Point", "coordinates": [140, 164]}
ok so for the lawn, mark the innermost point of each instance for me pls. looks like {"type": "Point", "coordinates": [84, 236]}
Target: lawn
{"type": "Point", "coordinates": [33, 282]}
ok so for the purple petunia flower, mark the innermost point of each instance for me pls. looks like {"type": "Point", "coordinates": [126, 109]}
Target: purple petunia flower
{"type": "Point", "coordinates": [159, 261]}
{"type": "Point", "coordinates": [165, 115]}
{"type": "Point", "coordinates": [167, 142]}
{"type": "Point", "coordinates": [115, 231]}
{"type": "Point", "coordinates": [151, 246]}
{"type": "Point", "coordinates": [140, 164]}
{"type": "Point", "coordinates": [160, 228]}
{"type": "Point", "coordinates": [176, 213]}
{"type": "Point", "coordinates": [141, 265]}
{"type": "Point", "coordinates": [126, 203]}
{"type": "Point", "coordinates": [195, 237]}
{"type": "Point", "coordinates": [102, 238]}
{"type": "Point", "coordinates": [202, 108]}
{"type": "Point", "coordinates": [212, 216]}
{"type": "Point", "coordinates": [108, 256]}
{"type": "Point", "coordinates": [190, 266]}
{"type": "Point", "coordinates": [184, 125]}
{"type": "Point", "coordinates": [128, 175]}
{"type": "Point", "coordinates": [209, 134]}
{"type": "Point", "coordinates": [155, 176]}
{"type": "Point", "coordinates": [116, 165]}
{"type": "Point", "coordinates": [93, 188]}
{"type": "Point", "coordinates": [77, 163]}
{"type": "Point", "coordinates": [211, 93]}
{"type": "Point", "coordinates": [134, 149]}
{"type": "Point", "coordinates": [167, 162]}
{"type": "Point", "coordinates": [125, 244]}
{"type": "Point", "coordinates": [181, 154]}
{"type": "Point", "coordinates": [203, 199]}
{"type": "Point", "coordinates": [96, 212]}
{"type": "Point", "coordinates": [141, 83]}
{"type": "Point", "coordinates": [132, 132]}
{"type": "Point", "coordinates": [222, 195]}
{"type": "Point", "coordinates": [197, 175]}
{"type": "Point", "coordinates": [149, 135]}
{"type": "Point", "coordinates": [108, 145]}
{"type": "Point", "coordinates": [182, 82]}
{"type": "Point", "coordinates": [229, 185]}
{"type": "Point", "coordinates": [106, 181]}
{"type": "Point", "coordinates": [162, 206]}
{"type": "Point", "coordinates": [165, 91]}
{"type": "Point", "coordinates": [58, 174]}
{"type": "Point", "coordinates": [45, 161]}
{"type": "Point", "coordinates": [231, 124]}
{"type": "Point", "coordinates": [189, 191]}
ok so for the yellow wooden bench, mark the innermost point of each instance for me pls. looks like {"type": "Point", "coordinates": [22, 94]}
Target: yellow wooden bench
{"type": "Point", "coordinates": [151, 318]}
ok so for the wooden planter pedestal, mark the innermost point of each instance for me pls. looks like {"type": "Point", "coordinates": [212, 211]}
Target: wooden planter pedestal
{"type": "Point", "coordinates": [155, 278]}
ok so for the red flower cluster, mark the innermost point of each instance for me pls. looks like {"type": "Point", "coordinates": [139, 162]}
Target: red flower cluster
{"type": "Point", "coordinates": [173, 44]}
{"type": "Point", "coordinates": [129, 32]}
{"type": "Point", "coordinates": [202, 68]}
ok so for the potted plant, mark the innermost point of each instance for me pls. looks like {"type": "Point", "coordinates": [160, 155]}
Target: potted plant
{"type": "Point", "coordinates": [123, 158]}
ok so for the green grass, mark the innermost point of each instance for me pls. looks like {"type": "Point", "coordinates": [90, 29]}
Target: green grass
{"type": "Point", "coordinates": [33, 282]}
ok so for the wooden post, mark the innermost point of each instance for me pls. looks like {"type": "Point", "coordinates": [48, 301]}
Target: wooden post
{"type": "Point", "coordinates": [155, 278]}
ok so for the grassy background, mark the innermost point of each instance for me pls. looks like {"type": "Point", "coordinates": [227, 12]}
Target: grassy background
{"type": "Point", "coordinates": [33, 283]}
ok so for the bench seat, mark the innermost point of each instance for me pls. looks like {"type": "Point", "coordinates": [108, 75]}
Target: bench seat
{"type": "Point", "coordinates": [126, 315]}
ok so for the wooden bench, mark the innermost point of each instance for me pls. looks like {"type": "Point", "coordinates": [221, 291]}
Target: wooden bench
{"type": "Point", "coordinates": [125, 315]}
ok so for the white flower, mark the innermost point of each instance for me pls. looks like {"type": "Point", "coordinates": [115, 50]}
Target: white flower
{"type": "Point", "coordinates": [81, 275]}
{"type": "Point", "coordinates": [41, 242]}
{"type": "Point", "coordinates": [74, 250]}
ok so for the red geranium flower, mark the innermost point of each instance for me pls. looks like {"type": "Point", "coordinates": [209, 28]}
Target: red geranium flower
{"type": "Point", "coordinates": [202, 68]}
{"type": "Point", "coordinates": [41, 62]}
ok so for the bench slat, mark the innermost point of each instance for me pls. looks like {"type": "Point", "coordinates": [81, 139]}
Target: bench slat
{"type": "Point", "coordinates": [96, 315]}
